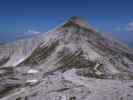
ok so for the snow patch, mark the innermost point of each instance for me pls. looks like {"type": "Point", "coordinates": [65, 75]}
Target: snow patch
{"type": "Point", "coordinates": [32, 81]}
{"type": "Point", "coordinates": [32, 71]}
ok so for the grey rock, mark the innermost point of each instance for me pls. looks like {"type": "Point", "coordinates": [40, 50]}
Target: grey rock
{"type": "Point", "coordinates": [71, 62]}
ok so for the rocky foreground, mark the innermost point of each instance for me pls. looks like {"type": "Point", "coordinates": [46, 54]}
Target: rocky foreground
{"type": "Point", "coordinates": [66, 86]}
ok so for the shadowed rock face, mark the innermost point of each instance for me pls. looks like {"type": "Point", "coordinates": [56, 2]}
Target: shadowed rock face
{"type": "Point", "coordinates": [71, 62]}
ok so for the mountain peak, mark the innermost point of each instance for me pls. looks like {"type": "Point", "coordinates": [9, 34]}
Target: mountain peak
{"type": "Point", "coordinates": [74, 24]}
{"type": "Point", "coordinates": [79, 21]}
{"type": "Point", "coordinates": [71, 62]}
{"type": "Point", "coordinates": [76, 18]}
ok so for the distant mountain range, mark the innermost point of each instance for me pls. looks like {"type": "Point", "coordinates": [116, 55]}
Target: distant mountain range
{"type": "Point", "coordinates": [70, 62]}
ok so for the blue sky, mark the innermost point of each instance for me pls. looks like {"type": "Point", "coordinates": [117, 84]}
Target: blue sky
{"type": "Point", "coordinates": [19, 18]}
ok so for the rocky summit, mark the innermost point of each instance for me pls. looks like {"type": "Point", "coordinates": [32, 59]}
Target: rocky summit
{"type": "Point", "coordinates": [70, 62]}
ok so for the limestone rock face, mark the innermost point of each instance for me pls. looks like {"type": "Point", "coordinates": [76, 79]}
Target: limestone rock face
{"type": "Point", "coordinates": [71, 62]}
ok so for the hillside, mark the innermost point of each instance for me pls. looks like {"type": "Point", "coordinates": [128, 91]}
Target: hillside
{"type": "Point", "coordinates": [71, 62]}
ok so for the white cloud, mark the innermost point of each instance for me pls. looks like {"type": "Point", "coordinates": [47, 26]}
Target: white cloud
{"type": "Point", "coordinates": [130, 24]}
{"type": "Point", "coordinates": [32, 32]}
{"type": "Point", "coordinates": [128, 27]}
